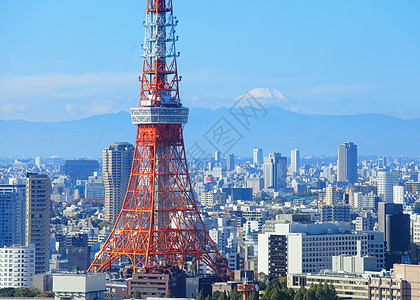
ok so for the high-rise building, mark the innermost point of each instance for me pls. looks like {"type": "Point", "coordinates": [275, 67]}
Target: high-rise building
{"type": "Point", "coordinates": [230, 162]}
{"type": "Point", "coordinates": [347, 162]}
{"type": "Point", "coordinates": [396, 227]}
{"type": "Point", "coordinates": [258, 156]}
{"type": "Point", "coordinates": [12, 214]}
{"type": "Point", "coordinates": [116, 168]}
{"type": "Point", "coordinates": [272, 254]}
{"type": "Point", "coordinates": [295, 161]}
{"type": "Point", "coordinates": [38, 191]}
{"type": "Point", "coordinates": [330, 195]}
{"type": "Point", "coordinates": [275, 171]}
{"type": "Point", "coordinates": [386, 182]}
{"type": "Point", "coordinates": [38, 162]}
{"type": "Point", "coordinates": [80, 169]}
{"type": "Point", "coordinates": [398, 194]}
{"type": "Point", "coordinates": [17, 267]}
{"type": "Point", "coordinates": [381, 162]}
{"type": "Point", "coordinates": [217, 155]}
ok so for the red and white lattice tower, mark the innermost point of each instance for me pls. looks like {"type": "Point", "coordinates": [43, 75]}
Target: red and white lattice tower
{"type": "Point", "coordinates": [159, 223]}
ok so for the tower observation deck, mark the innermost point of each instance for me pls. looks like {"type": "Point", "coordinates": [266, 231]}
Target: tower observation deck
{"type": "Point", "coordinates": [159, 223]}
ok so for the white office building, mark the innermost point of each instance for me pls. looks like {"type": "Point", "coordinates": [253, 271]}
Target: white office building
{"type": "Point", "coordinates": [257, 157]}
{"type": "Point", "coordinates": [295, 161]}
{"type": "Point", "coordinates": [17, 266]}
{"type": "Point", "coordinates": [386, 183]}
{"type": "Point", "coordinates": [398, 194]}
{"type": "Point", "coordinates": [310, 247]}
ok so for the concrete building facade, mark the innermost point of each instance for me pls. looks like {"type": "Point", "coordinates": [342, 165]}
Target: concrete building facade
{"type": "Point", "coordinates": [38, 192]}
{"type": "Point", "coordinates": [17, 266]}
{"type": "Point", "coordinates": [12, 214]}
{"type": "Point", "coordinates": [117, 160]}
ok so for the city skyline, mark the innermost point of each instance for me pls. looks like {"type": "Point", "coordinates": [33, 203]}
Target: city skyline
{"type": "Point", "coordinates": [336, 54]}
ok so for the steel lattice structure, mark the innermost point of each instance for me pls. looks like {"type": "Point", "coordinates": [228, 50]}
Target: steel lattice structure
{"type": "Point", "coordinates": [159, 223]}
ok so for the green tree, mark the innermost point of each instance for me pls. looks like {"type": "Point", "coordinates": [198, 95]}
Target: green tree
{"type": "Point", "coordinates": [47, 294]}
{"type": "Point", "coordinates": [26, 292]}
{"type": "Point", "coordinates": [192, 295]}
{"type": "Point", "coordinates": [208, 297]}
{"type": "Point", "coordinates": [136, 295]}
{"type": "Point", "coordinates": [290, 294]}
{"type": "Point", "coordinates": [7, 292]}
{"type": "Point", "coordinates": [311, 293]}
{"type": "Point", "coordinates": [222, 296]}
{"type": "Point", "coordinates": [169, 294]}
{"type": "Point", "coordinates": [300, 294]}
{"type": "Point", "coordinates": [235, 295]}
{"type": "Point", "coordinates": [275, 294]}
{"type": "Point", "coordinates": [320, 292]}
{"type": "Point", "coordinates": [330, 292]}
{"type": "Point", "coordinates": [200, 296]}
{"type": "Point", "coordinates": [253, 296]}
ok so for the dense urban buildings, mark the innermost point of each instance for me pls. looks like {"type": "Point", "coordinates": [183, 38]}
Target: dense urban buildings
{"type": "Point", "coordinates": [313, 229]}
{"type": "Point", "coordinates": [116, 168]}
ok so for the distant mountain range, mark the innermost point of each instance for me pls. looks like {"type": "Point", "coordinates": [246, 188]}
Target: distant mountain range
{"type": "Point", "coordinates": [274, 129]}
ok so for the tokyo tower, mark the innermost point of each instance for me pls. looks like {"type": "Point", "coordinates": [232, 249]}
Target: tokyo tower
{"type": "Point", "coordinates": [159, 223]}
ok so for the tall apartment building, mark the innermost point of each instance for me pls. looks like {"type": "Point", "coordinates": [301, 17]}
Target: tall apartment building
{"type": "Point", "coordinates": [272, 254]}
{"type": "Point", "coordinates": [12, 214]}
{"type": "Point", "coordinates": [230, 162]}
{"type": "Point", "coordinates": [217, 159]}
{"type": "Point", "coordinates": [17, 266]}
{"type": "Point", "coordinates": [295, 161]}
{"type": "Point", "coordinates": [257, 156]}
{"type": "Point", "coordinates": [330, 195]}
{"type": "Point", "coordinates": [275, 171]}
{"type": "Point", "coordinates": [347, 163]}
{"type": "Point", "coordinates": [386, 182]}
{"type": "Point", "coordinates": [38, 191]}
{"type": "Point", "coordinates": [116, 168]}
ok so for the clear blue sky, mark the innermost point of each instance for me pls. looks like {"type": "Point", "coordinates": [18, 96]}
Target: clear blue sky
{"type": "Point", "coordinates": [68, 59]}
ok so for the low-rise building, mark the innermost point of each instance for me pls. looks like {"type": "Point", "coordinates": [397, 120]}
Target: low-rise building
{"type": "Point", "coordinates": [347, 285]}
{"type": "Point", "coordinates": [79, 286]}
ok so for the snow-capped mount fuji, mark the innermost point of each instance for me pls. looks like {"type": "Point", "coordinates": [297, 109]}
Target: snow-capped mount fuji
{"type": "Point", "coordinates": [272, 97]}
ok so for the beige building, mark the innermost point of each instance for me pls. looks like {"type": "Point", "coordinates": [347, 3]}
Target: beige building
{"type": "Point", "coordinates": [71, 286]}
{"type": "Point", "coordinates": [347, 285]}
{"type": "Point", "coordinates": [38, 191]}
{"type": "Point", "coordinates": [403, 284]}
{"type": "Point", "coordinates": [116, 160]}
{"type": "Point", "coordinates": [330, 195]}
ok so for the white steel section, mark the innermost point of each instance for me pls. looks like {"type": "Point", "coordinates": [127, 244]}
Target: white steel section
{"type": "Point", "coordinates": [159, 115]}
